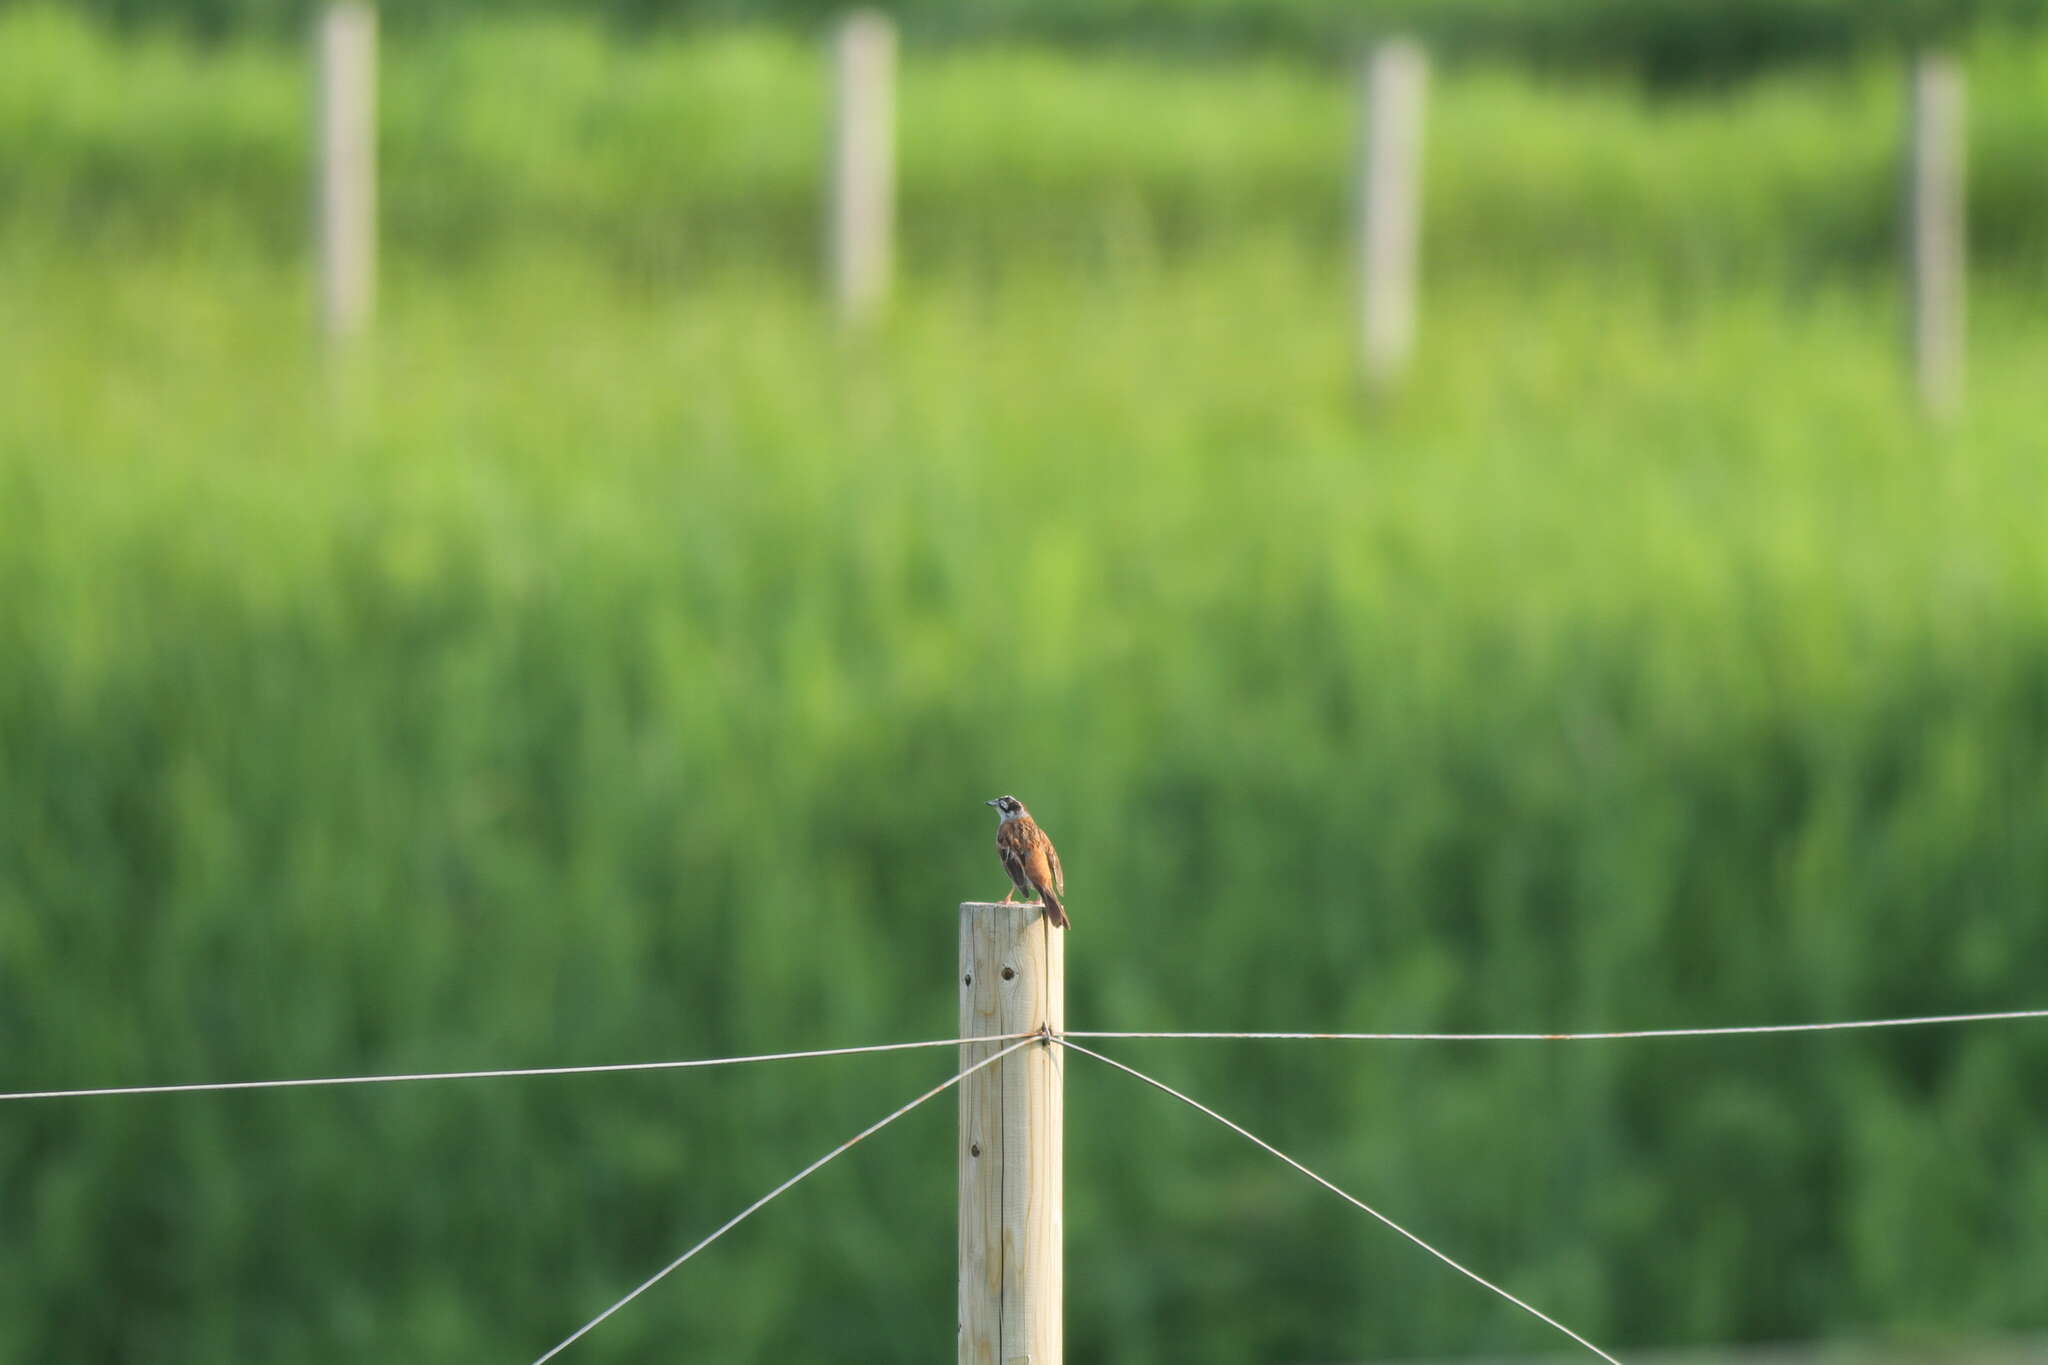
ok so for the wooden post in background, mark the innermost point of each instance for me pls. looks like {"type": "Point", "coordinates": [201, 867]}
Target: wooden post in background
{"type": "Point", "coordinates": [345, 165]}
{"type": "Point", "coordinates": [1389, 200]}
{"type": "Point", "coordinates": [862, 209]}
{"type": "Point", "coordinates": [1936, 278]}
{"type": "Point", "coordinates": [1013, 979]}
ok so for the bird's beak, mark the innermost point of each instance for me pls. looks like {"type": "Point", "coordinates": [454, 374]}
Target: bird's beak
{"type": "Point", "coordinates": [991, 803]}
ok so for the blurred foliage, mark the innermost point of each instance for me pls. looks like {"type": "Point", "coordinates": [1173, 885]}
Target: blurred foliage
{"type": "Point", "coordinates": [1665, 41]}
{"type": "Point", "coordinates": [610, 662]}
{"type": "Point", "coordinates": [675, 159]}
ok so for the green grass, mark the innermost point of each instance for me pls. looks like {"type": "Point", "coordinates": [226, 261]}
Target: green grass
{"type": "Point", "coordinates": [609, 663]}
{"type": "Point", "coordinates": [1672, 42]}
{"type": "Point", "coordinates": [670, 161]}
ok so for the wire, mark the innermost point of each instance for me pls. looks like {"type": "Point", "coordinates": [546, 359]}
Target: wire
{"type": "Point", "coordinates": [1348, 1198]}
{"type": "Point", "coordinates": [748, 1211]}
{"type": "Point", "coordinates": [478, 1075]}
{"type": "Point", "coordinates": [1071, 1033]}
{"type": "Point", "coordinates": [1588, 1037]}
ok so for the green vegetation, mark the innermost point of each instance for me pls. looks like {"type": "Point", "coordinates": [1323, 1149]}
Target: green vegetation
{"type": "Point", "coordinates": [1666, 41]}
{"type": "Point", "coordinates": [675, 161]}
{"type": "Point", "coordinates": [609, 664]}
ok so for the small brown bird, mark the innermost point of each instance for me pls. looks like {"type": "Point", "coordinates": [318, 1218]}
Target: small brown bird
{"type": "Point", "coordinates": [1030, 859]}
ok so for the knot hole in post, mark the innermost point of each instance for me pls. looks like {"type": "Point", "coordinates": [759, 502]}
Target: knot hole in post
{"type": "Point", "coordinates": [1009, 973]}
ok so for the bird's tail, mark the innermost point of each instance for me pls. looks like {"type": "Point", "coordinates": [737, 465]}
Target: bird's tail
{"type": "Point", "coordinates": [1054, 911]}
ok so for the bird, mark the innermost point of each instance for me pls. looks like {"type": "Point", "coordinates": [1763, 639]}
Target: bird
{"type": "Point", "coordinates": [1029, 857]}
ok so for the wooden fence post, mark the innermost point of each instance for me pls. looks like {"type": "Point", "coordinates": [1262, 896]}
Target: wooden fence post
{"type": "Point", "coordinates": [1389, 199]}
{"type": "Point", "coordinates": [862, 210]}
{"type": "Point", "coordinates": [1013, 979]}
{"type": "Point", "coordinates": [1936, 278]}
{"type": "Point", "coordinates": [345, 165]}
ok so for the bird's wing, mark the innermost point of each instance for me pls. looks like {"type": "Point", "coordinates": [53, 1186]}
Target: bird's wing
{"type": "Point", "coordinates": [1038, 865]}
{"type": "Point", "coordinates": [1059, 878]}
{"type": "Point", "coordinates": [1013, 861]}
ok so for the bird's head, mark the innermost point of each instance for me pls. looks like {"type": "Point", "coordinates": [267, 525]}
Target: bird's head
{"type": "Point", "coordinates": [1008, 807]}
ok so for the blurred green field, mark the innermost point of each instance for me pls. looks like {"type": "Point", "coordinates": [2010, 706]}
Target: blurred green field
{"type": "Point", "coordinates": [1669, 42]}
{"type": "Point", "coordinates": [674, 162]}
{"type": "Point", "coordinates": [609, 664]}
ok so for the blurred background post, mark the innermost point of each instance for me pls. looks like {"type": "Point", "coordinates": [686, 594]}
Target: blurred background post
{"type": "Point", "coordinates": [863, 187]}
{"type": "Point", "coordinates": [345, 204]}
{"type": "Point", "coordinates": [1390, 208]}
{"type": "Point", "coordinates": [1935, 232]}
